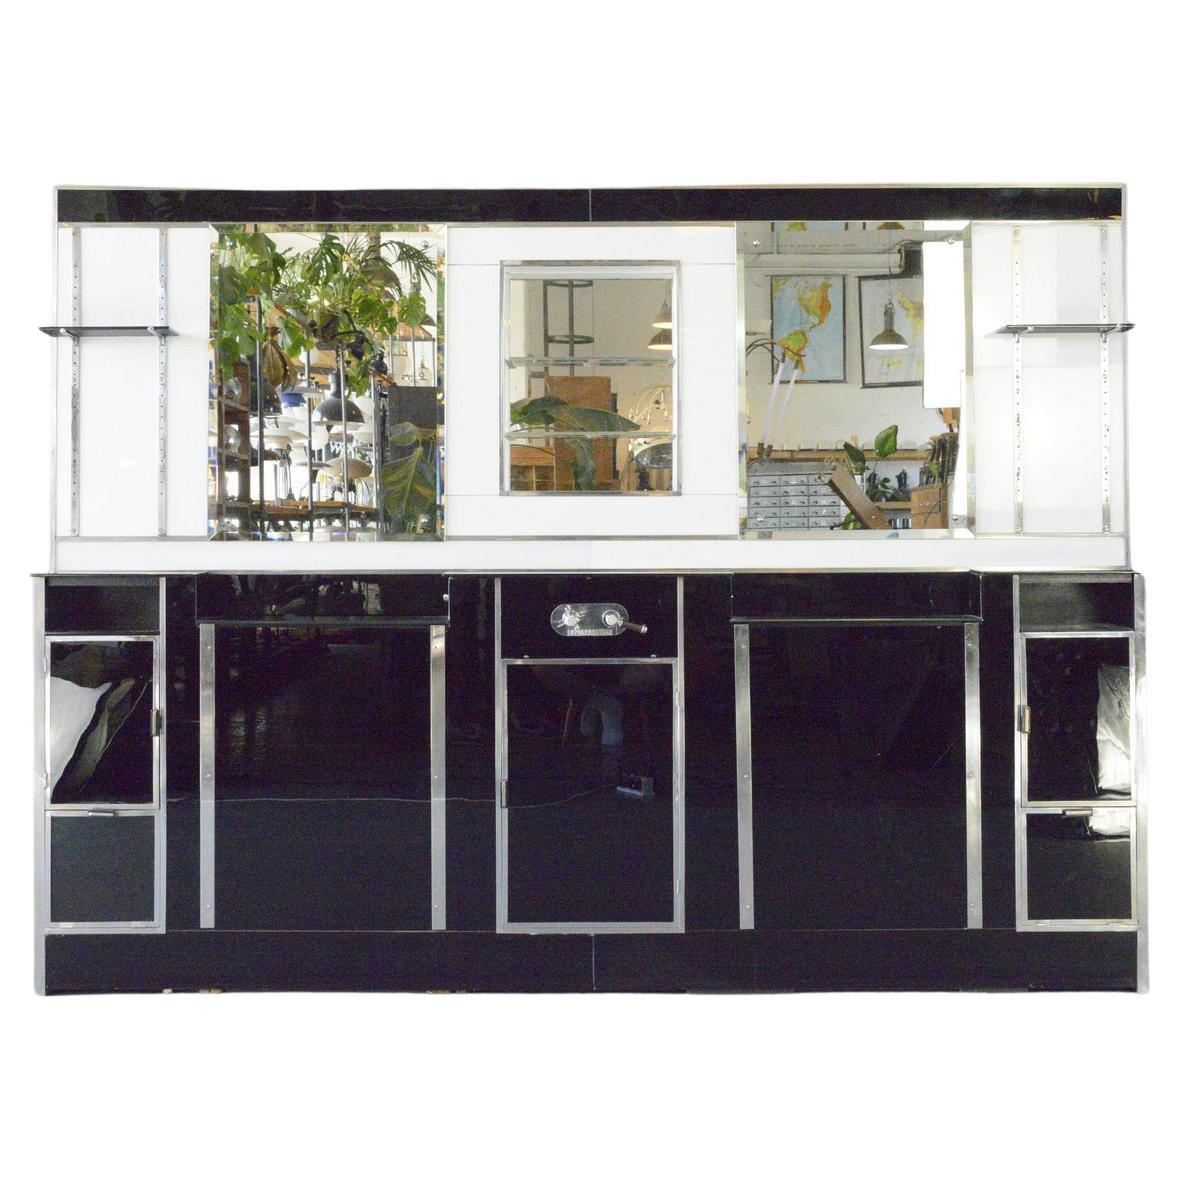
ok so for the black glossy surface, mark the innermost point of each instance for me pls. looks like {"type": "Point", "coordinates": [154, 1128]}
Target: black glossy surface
{"type": "Point", "coordinates": [1064, 677]}
{"type": "Point", "coordinates": [858, 777]}
{"type": "Point", "coordinates": [360, 598]}
{"type": "Point", "coordinates": [581, 848]}
{"type": "Point", "coordinates": [1074, 873]}
{"type": "Point", "coordinates": [101, 605]}
{"type": "Point", "coordinates": [996, 681]}
{"type": "Point", "coordinates": [862, 597]}
{"type": "Point", "coordinates": [598, 204]}
{"type": "Point", "coordinates": [1061, 602]}
{"type": "Point", "coordinates": [528, 602]}
{"type": "Point", "coordinates": [100, 726]}
{"type": "Point", "coordinates": [101, 868]}
{"type": "Point", "coordinates": [323, 778]}
{"type": "Point", "coordinates": [700, 961]}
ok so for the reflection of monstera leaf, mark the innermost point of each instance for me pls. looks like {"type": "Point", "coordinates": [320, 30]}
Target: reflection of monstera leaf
{"type": "Point", "coordinates": [408, 483]}
{"type": "Point", "coordinates": [553, 413]}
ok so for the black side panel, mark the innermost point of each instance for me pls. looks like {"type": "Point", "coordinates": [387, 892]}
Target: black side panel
{"type": "Point", "coordinates": [996, 679]}
{"type": "Point", "coordinates": [101, 868]}
{"type": "Point", "coordinates": [712, 895]}
{"type": "Point", "coordinates": [102, 605]}
{"type": "Point", "coordinates": [470, 755]}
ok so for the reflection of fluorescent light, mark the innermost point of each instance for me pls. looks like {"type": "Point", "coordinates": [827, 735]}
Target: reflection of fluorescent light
{"type": "Point", "coordinates": [944, 322]}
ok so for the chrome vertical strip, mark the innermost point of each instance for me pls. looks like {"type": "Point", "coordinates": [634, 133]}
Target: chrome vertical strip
{"type": "Point", "coordinates": [1020, 821]}
{"type": "Point", "coordinates": [40, 786]}
{"type": "Point", "coordinates": [437, 758]}
{"type": "Point", "coordinates": [1140, 783]}
{"type": "Point", "coordinates": [744, 776]}
{"type": "Point", "coordinates": [501, 816]}
{"type": "Point", "coordinates": [973, 778]}
{"type": "Point", "coordinates": [162, 342]}
{"type": "Point", "coordinates": [1016, 307]}
{"type": "Point", "coordinates": [75, 382]}
{"type": "Point", "coordinates": [160, 692]}
{"type": "Point", "coordinates": [1106, 407]}
{"type": "Point", "coordinates": [208, 774]}
{"type": "Point", "coordinates": [679, 774]}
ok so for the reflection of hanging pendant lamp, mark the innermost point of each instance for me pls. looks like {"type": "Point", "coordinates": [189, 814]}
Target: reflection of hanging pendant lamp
{"type": "Point", "coordinates": [661, 341]}
{"type": "Point", "coordinates": [664, 319]}
{"type": "Point", "coordinates": [888, 340]}
{"type": "Point", "coordinates": [335, 408]}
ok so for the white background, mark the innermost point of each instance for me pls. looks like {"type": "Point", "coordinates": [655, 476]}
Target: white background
{"type": "Point", "coordinates": [228, 95]}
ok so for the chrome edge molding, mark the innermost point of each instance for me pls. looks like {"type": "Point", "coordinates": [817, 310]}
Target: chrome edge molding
{"type": "Point", "coordinates": [1016, 308]}
{"type": "Point", "coordinates": [1140, 783]}
{"type": "Point", "coordinates": [208, 774]}
{"type": "Point", "coordinates": [75, 382]}
{"type": "Point", "coordinates": [40, 786]}
{"type": "Point", "coordinates": [744, 777]}
{"type": "Point", "coordinates": [437, 757]}
{"type": "Point", "coordinates": [973, 778]}
{"type": "Point", "coordinates": [162, 426]}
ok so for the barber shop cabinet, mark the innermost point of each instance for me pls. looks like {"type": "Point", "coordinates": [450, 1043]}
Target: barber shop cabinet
{"type": "Point", "coordinates": [696, 781]}
{"type": "Point", "coordinates": [664, 589]}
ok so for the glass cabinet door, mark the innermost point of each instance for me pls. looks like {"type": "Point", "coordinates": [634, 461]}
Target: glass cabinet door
{"type": "Point", "coordinates": [588, 805]}
{"type": "Point", "coordinates": [1077, 719]}
{"type": "Point", "coordinates": [103, 859]}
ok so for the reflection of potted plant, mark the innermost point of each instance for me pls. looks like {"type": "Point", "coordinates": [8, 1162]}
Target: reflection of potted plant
{"type": "Point", "coordinates": [878, 489]}
{"type": "Point", "coordinates": [930, 500]}
{"type": "Point", "coordinates": [552, 413]}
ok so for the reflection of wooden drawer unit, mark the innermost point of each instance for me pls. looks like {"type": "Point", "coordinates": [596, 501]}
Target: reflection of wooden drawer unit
{"type": "Point", "coordinates": [788, 494]}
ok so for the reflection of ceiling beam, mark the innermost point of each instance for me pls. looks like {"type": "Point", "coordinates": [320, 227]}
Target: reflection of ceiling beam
{"type": "Point", "coordinates": [825, 263]}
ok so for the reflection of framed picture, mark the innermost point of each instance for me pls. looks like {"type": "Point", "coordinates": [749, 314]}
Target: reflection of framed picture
{"type": "Point", "coordinates": [887, 369]}
{"type": "Point", "coordinates": [809, 323]}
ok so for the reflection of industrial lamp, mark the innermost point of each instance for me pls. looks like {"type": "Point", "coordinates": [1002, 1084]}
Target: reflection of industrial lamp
{"type": "Point", "coordinates": [664, 319]}
{"type": "Point", "coordinates": [888, 340]}
{"type": "Point", "coordinates": [661, 340]}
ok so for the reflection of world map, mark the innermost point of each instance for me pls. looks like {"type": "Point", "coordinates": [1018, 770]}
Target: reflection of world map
{"type": "Point", "coordinates": [808, 325]}
{"type": "Point", "coordinates": [904, 367]}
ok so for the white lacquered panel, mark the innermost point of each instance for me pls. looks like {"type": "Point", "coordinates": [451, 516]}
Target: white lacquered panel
{"type": "Point", "coordinates": [188, 380]}
{"type": "Point", "coordinates": [118, 483]}
{"type": "Point", "coordinates": [120, 276]}
{"type": "Point", "coordinates": [489, 245]}
{"type": "Point", "coordinates": [1060, 273]}
{"type": "Point", "coordinates": [707, 373]}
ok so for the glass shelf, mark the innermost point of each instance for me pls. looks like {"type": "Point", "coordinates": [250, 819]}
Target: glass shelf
{"type": "Point", "coordinates": [1064, 328]}
{"type": "Point", "coordinates": [78, 332]}
{"type": "Point", "coordinates": [539, 435]}
{"type": "Point", "coordinates": [662, 360]}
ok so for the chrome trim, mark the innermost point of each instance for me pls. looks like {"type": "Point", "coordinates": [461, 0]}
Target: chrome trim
{"type": "Point", "coordinates": [75, 383]}
{"type": "Point", "coordinates": [501, 846]}
{"type": "Point", "coordinates": [1018, 692]}
{"type": "Point", "coordinates": [973, 778]}
{"type": "Point", "coordinates": [744, 777]}
{"type": "Point", "coordinates": [160, 700]}
{"type": "Point", "coordinates": [1016, 307]}
{"type": "Point", "coordinates": [208, 774]}
{"type": "Point", "coordinates": [162, 425]}
{"type": "Point", "coordinates": [678, 753]}
{"type": "Point", "coordinates": [1140, 784]}
{"type": "Point", "coordinates": [437, 756]}
{"type": "Point", "coordinates": [1105, 394]}
{"type": "Point", "coordinates": [40, 787]}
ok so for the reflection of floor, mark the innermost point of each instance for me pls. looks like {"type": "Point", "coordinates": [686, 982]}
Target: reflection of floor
{"type": "Point", "coordinates": [323, 785]}
{"type": "Point", "coordinates": [578, 849]}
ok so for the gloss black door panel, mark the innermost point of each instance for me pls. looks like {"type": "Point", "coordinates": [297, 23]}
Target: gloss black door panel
{"type": "Point", "coordinates": [858, 777]}
{"type": "Point", "coordinates": [322, 778]}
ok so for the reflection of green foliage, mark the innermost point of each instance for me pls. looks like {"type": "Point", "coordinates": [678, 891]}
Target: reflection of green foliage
{"type": "Point", "coordinates": [878, 490]}
{"type": "Point", "coordinates": [347, 292]}
{"type": "Point", "coordinates": [555, 414]}
{"type": "Point", "coordinates": [408, 482]}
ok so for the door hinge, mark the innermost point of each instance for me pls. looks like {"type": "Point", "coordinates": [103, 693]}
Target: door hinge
{"type": "Point", "coordinates": [1024, 718]}
{"type": "Point", "coordinates": [157, 721]}
{"type": "Point", "coordinates": [503, 794]}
